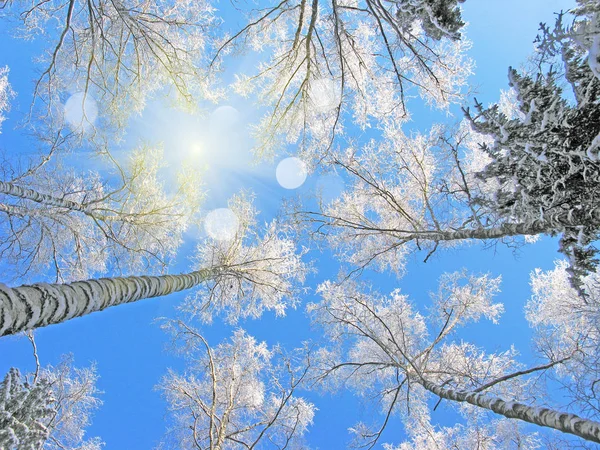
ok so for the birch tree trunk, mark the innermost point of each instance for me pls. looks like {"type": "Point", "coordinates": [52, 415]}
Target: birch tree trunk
{"type": "Point", "coordinates": [32, 306]}
{"type": "Point", "coordinates": [561, 421]}
{"type": "Point", "coordinates": [504, 230]}
{"type": "Point", "coordinates": [45, 199]}
{"type": "Point", "coordinates": [550, 223]}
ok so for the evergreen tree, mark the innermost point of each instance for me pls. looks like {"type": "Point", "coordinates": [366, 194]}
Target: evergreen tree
{"type": "Point", "coordinates": [546, 158]}
{"type": "Point", "coordinates": [440, 18]}
{"type": "Point", "coordinates": [24, 408]}
{"type": "Point", "coordinates": [49, 409]}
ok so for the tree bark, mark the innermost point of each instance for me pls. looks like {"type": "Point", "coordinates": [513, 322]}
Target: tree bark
{"type": "Point", "coordinates": [551, 223]}
{"type": "Point", "coordinates": [504, 230]}
{"type": "Point", "coordinates": [45, 199]}
{"type": "Point", "coordinates": [32, 306]}
{"type": "Point", "coordinates": [561, 421]}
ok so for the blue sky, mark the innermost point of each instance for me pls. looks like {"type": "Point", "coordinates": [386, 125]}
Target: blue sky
{"type": "Point", "coordinates": [127, 345]}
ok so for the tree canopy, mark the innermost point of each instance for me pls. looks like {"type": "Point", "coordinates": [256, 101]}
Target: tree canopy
{"type": "Point", "coordinates": [359, 296]}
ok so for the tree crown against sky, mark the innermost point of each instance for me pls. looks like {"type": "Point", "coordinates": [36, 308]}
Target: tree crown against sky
{"type": "Point", "coordinates": [239, 393]}
{"type": "Point", "coordinates": [322, 62]}
{"type": "Point", "coordinates": [326, 73]}
{"type": "Point", "coordinates": [333, 61]}
{"type": "Point", "coordinates": [383, 347]}
{"type": "Point", "coordinates": [118, 52]}
{"type": "Point", "coordinates": [544, 153]}
{"type": "Point", "coordinates": [524, 166]}
{"type": "Point", "coordinates": [74, 224]}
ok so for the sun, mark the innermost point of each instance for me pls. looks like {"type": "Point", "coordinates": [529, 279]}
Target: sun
{"type": "Point", "coordinates": [196, 150]}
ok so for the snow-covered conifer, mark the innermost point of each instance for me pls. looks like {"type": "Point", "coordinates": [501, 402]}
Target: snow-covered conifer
{"type": "Point", "coordinates": [546, 158]}
{"type": "Point", "coordinates": [49, 409]}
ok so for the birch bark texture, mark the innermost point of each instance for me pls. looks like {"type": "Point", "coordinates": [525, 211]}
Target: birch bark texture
{"type": "Point", "coordinates": [243, 276]}
{"type": "Point", "coordinates": [546, 417]}
{"type": "Point", "coordinates": [26, 307]}
{"type": "Point", "coordinates": [39, 197]}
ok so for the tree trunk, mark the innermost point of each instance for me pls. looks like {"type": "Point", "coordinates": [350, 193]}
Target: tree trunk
{"type": "Point", "coordinates": [26, 307]}
{"type": "Point", "coordinates": [504, 230]}
{"type": "Point", "coordinates": [550, 223]}
{"type": "Point", "coordinates": [561, 421]}
{"type": "Point", "coordinates": [45, 199]}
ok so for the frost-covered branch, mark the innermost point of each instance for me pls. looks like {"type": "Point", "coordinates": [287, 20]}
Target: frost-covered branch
{"type": "Point", "coordinates": [118, 52]}
{"type": "Point", "coordinates": [77, 225]}
{"type": "Point", "coordinates": [381, 345]}
{"type": "Point", "coordinates": [323, 61]}
{"type": "Point", "coordinates": [567, 324]}
{"type": "Point", "coordinates": [238, 393]}
{"type": "Point", "coordinates": [261, 269]}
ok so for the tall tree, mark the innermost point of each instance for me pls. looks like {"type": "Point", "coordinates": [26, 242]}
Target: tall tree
{"type": "Point", "coordinates": [425, 192]}
{"type": "Point", "coordinates": [49, 409]}
{"type": "Point", "coordinates": [75, 225]}
{"type": "Point", "coordinates": [117, 52]}
{"type": "Point", "coordinates": [237, 394]}
{"type": "Point", "coordinates": [326, 60]}
{"type": "Point", "coordinates": [566, 323]}
{"type": "Point", "coordinates": [383, 347]}
{"type": "Point", "coordinates": [242, 276]}
{"type": "Point", "coordinates": [411, 193]}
